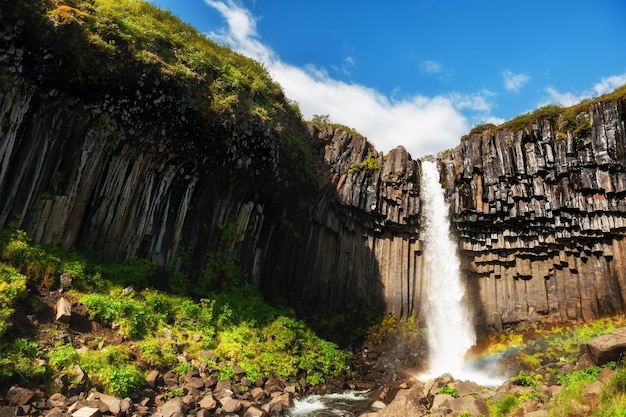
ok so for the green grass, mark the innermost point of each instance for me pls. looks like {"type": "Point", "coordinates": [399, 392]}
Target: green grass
{"type": "Point", "coordinates": [233, 324]}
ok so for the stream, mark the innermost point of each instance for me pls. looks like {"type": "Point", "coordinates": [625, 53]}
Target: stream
{"type": "Point", "coordinates": [346, 404]}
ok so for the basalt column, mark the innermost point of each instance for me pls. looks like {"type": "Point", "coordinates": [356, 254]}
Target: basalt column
{"type": "Point", "coordinates": [540, 214]}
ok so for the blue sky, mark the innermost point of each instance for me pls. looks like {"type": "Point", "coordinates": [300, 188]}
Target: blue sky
{"type": "Point", "coordinates": [422, 73]}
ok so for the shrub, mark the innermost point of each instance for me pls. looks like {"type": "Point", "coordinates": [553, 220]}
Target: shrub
{"type": "Point", "coordinates": [448, 390]}
{"type": "Point", "coordinates": [122, 380]}
{"type": "Point", "coordinates": [111, 369]}
{"type": "Point", "coordinates": [157, 353]}
{"type": "Point", "coordinates": [17, 362]}
{"type": "Point", "coordinates": [134, 320]}
{"type": "Point", "coordinates": [504, 406]}
{"type": "Point", "coordinates": [12, 289]}
{"type": "Point", "coordinates": [617, 384]}
{"type": "Point", "coordinates": [526, 380]}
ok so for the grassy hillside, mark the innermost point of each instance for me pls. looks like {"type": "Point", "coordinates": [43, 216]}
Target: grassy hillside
{"type": "Point", "coordinates": [140, 329]}
{"type": "Point", "coordinates": [105, 44]}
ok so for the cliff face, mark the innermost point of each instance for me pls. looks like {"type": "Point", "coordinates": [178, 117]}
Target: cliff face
{"type": "Point", "coordinates": [360, 246]}
{"type": "Point", "coordinates": [131, 170]}
{"type": "Point", "coordinates": [540, 218]}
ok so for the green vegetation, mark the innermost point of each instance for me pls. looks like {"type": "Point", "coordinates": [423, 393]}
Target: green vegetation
{"type": "Point", "coordinates": [119, 40]}
{"type": "Point", "coordinates": [323, 120]}
{"type": "Point", "coordinates": [541, 354]}
{"type": "Point", "coordinates": [233, 324]}
{"type": "Point", "coordinates": [164, 70]}
{"type": "Point", "coordinates": [370, 163]}
{"type": "Point", "coordinates": [448, 390]}
{"type": "Point", "coordinates": [550, 112]}
{"type": "Point", "coordinates": [478, 129]}
{"type": "Point", "coordinates": [543, 348]}
{"type": "Point", "coordinates": [504, 406]}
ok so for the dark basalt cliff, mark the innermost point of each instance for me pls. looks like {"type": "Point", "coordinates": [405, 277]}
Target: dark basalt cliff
{"type": "Point", "coordinates": [131, 170]}
{"type": "Point", "coordinates": [541, 218]}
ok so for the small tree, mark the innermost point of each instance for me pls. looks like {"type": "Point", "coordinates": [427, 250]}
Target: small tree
{"type": "Point", "coordinates": [321, 119]}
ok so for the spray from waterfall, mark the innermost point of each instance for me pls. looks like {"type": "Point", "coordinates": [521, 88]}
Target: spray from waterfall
{"type": "Point", "coordinates": [450, 329]}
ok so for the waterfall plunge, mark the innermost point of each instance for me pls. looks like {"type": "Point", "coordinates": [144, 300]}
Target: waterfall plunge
{"type": "Point", "coordinates": [448, 319]}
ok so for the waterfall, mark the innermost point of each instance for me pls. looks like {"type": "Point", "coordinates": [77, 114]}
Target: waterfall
{"type": "Point", "coordinates": [450, 329]}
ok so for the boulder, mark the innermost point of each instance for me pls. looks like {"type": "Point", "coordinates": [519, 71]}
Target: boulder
{"type": "Point", "coordinates": [152, 378]}
{"type": "Point", "coordinates": [254, 412]}
{"type": "Point", "coordinates": [231, 405]}
{"type": "Point", "coordinates": [208, 403]}
{"type": "Point", "coordinates": [174, 408]}
{"type": "Point", "coordinates": [87, 412]}
{"type": "Point", "coordinates": [170, 379]}
{"type": "Point", "coordinates": [57, 400]}
{"type": "Point", "coordinates": [607, 347]}
{"type": "Point", "coordinates": [63, 310]}
{"type": "Point", "coordinates": [407, 403]}
{"type": "Point", "coordinates": [19, 396]}
{"type": "Point", "coordinates": [113, 404]}
{"type": "Point", "coordinates": [472, 405]}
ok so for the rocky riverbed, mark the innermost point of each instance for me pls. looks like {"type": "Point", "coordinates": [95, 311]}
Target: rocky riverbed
{"type": "Point", "coordinates": [201, 393]}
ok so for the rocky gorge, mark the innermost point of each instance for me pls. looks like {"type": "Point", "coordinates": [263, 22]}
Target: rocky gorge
{"type": "Point", "coordinates": [538, 210]}
{"type": "Point", "coordinates": [209, 169]}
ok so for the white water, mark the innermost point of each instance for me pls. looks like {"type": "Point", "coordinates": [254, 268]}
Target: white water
{"type": "Point", "coordinates": [450, 330]}
{"type": "Point", "coordinates": [340, 405]}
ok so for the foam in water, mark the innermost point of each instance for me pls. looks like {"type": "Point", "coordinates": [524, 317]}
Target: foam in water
{"type": "Point", "coordinates": [450, 330]}
{"type": "Point", "coordinates": [339, 404]}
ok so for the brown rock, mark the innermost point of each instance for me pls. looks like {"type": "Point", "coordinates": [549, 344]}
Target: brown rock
{"type": "Point", "coordinates": [113, 404]}
{"type": "Point", "coordinates": [257, 393]}
{"type": "Point", "coordinates": [196, 382]}
{"type": "Point", "coordinates": [607, 347]}
{"type": "Point", "coordinates": [273, 385]}
{"type": "Point", "coordinates": [208, 402]}
{"type": "Point", "coordinates": [174, 408]}
{"type": "Point", "coordinates": [474, 406]}
{"type": "Point", "coordinates": [407, 403]}
{"type": "Point", "coordinates": [63, 310]}
{"type": "Point", "coordinates": [87, 412]}
{"type": "Point", "coordinates": [170, 379]}
{"type": "Point", "coordinates": [605, 375]}
{"type": "Point", "coordinates": [151, 379]}
{"type": "Point", "coordinates": [57, 400]}
{"type": "Point", "coordinates": [593, 390]}
{"type": "Point", "coordinates": [231, 405]}
{"type": "Point", "coordinates": [211, 381]}
{"type": "Point", "coordinates": [19, 396]}
{"type": "Point", "coordinates": [254, 412]}
{"type": "Point", "coordinates": [53, 412]}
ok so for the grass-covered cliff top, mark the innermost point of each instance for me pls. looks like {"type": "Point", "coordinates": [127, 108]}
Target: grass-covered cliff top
{"type": "Point", "coordinates": [97, 47]}
{"type": "Point", "coordinates": [565, 118]}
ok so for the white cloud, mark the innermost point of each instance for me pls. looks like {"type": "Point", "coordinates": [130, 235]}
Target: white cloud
{"type": "Point", "coordinates": [513, 82]}
{"type": "Point", "coordinates": [605, 85]}
{"type": "Point", "coordinates": [241, 34]}
{"type": "Point", "coordinates": [608, 84]}
{"type": "Point", "coordinates": [431, 67]}
{"type": "Point", "coordinates": [566, 99]}
{"type": "Point", "coordinates": [423, 125]}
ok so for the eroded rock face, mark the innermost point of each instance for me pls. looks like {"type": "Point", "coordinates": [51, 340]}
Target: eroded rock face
{"type": "Point", "coordinates": [360, 247]}
{"type": "Point", "coordinates": [541, 219]}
